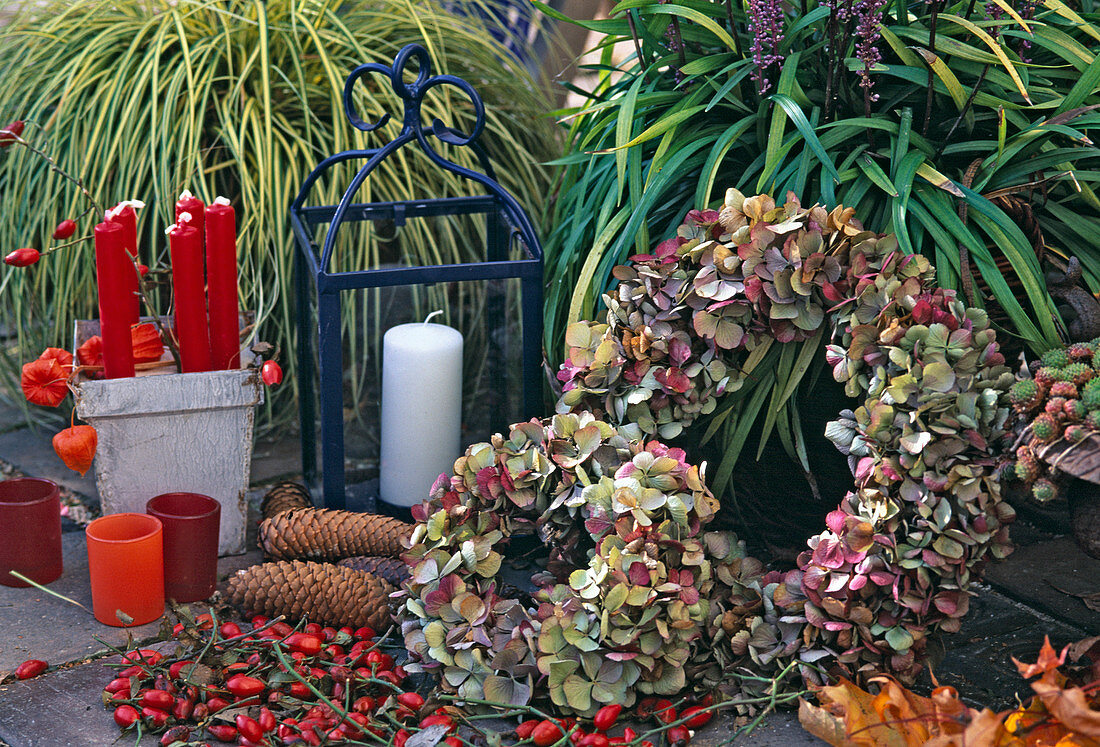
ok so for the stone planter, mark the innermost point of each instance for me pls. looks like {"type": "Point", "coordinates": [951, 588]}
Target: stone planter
{"type": "Point", "coordinates": [166, 433]}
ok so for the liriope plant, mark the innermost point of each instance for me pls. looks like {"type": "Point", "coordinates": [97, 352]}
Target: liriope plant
{"type": "Point", "coordinates": [947, 123]}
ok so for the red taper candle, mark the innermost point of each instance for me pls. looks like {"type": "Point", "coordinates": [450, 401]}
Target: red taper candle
{"type": "Point", "coordinates": [125, 215]}
{"type": "Point", "coordinates": [188, 203]}
{"type": "Point", "coordinates": [188, 296]}
{"type": "Point", "coordinates": [221, 285]}
{"type": "Point", "coordinates": [114, 270]}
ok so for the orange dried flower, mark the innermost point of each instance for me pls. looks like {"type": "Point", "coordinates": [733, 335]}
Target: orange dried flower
{"type": "Point", "coordinates": [91, 352]}
{"type": "Point", "coordinates": [76, 446]}
{"type": "Point", "coordinates": [44, 382]}
{"type": "Point", "coordinates": [63, 357]}
{"type": "Point", "coordinates": [147, 344]}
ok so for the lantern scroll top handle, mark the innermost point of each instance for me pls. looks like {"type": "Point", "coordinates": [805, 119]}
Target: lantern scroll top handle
{"type": "Point", "coordinates": [412, 94]}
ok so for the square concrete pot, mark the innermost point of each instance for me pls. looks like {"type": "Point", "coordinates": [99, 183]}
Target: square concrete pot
{"type": "Point", "coordinates": [165, 433]}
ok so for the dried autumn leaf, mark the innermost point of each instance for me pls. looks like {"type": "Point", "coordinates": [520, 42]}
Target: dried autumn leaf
{"type": "Point", "coordinates": [147, 343]}
{"type": "Point", "coordinates": [1048, 661]}
{"type": "Point", "coordinates": [1069, 705]}
{"type": "Point", "coordinates": [821, 723]}
{"type": "Point", "coordinates": [896, 716]}
{"type": "Point", "coordinates": [76, 446]}
{"type": "Point", "coordinates": [1059, 715]}
{"type": "Point", "coordinates": [857, 722]}
{"type": "Point", "coordinates": [44, 382]}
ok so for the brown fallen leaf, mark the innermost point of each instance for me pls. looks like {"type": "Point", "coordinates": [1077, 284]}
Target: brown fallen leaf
{"type": "Point", "coordinates": [1085, 647]}
{"type": "Point", "coordinates": [822, 724]}
{"type": "Point", "coordinates": [1091, 599]}
{"type": "Point", "coordinates": [1070, 706]}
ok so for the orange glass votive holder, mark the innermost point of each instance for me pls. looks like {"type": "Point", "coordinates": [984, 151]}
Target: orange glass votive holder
{"type": "Point", "coordinates": [126, 564]}
{"type": "Point", "coordinates": [30, 531]}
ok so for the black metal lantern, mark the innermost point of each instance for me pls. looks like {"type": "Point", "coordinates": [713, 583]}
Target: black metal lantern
{"type": "Point", "coordinates": [506, 222]}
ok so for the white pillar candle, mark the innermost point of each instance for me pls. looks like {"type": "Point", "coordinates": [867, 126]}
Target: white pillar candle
{"type": "Point", "coordinates": [421, 409]}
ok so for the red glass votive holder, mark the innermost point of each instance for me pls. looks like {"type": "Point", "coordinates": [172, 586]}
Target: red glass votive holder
{"type": "Point", "coordinates": [30, 531]}
{"type": "Point", "coordinates": [191, 524]}
{"type": "Point", "coordinates": [126, 564]}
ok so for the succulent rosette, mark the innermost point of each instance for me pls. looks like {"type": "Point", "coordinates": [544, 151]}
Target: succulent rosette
{"type": "Point", "coordinates": [1059, 405]}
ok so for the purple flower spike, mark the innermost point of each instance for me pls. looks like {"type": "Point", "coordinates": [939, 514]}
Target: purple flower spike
{"type": "Point", "coordinates": [868, 15]}
{"type": "Point", "coordinates": [766, 27]}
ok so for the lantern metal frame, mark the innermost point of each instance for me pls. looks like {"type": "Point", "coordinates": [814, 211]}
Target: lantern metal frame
{"type": "Point", "coordinates": [506, 221]}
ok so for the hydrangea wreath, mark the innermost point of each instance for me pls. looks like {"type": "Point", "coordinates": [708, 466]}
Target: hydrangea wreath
{"type": "Point", "coordinates": [638, 596]}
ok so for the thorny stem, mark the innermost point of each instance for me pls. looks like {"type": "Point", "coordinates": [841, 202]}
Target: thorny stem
{"type": "Point", "coordinates": [56, 167]}
{"type": "Point", "coordinates": [74, 242]}
{"type": "Point", "coordinates": [480, 701]}
{"type": "Point", "coordinates": [932, 48]}
{"type": "Point", "coordinates": [343, 714]}
{"type": "Point", "coordinates": [206, 648]}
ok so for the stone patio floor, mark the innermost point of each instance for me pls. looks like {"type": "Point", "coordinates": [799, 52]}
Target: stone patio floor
{"type": "Point", "coordinates": [1030, 595]}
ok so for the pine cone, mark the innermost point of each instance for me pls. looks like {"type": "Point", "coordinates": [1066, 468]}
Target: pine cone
{"type": "Point", "coordinates": [324, 534]}
{"type": "Point", "coordinates": [324, 593]}
{"type": "Point", "coordinates": [392, 569]}
{"type": "Point", "coordinates": [283, 497]}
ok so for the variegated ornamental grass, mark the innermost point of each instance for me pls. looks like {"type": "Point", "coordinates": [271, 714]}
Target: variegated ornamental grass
{"type": "Point", "coordinates": [241, 98]}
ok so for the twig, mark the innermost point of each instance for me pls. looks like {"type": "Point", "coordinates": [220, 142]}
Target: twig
{"type": "Point", "coordinates": [962, 114]}
{"type": "Point", "coordinates": [637, 41]}
{"type": "Point", "coordinates": [733, 30]}
{"type": "Point", "coordinates": [56, 167]}
{"type": "Point", "coordinates": [965, 276]}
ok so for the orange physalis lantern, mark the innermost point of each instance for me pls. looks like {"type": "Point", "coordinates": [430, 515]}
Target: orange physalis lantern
{"type": "Point", "coordinates": [148, 347]}
{"type": "Point", "coordinates": [44, 382]}
{"type": "Point", "coordinates": [76, 446]}
{"type": "Point", "coordinates": [63, 357]}
{"type": "Point", "coordinates": [91, 352]}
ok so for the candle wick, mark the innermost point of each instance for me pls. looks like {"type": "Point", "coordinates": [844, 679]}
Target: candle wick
{"type": "Point", "coordinates": [428, 318]}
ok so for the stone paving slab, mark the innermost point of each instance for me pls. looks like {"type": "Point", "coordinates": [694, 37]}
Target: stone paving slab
{"type": "Point", "coordinates": [1031, 573]}
{"type": "Point", "coordinates": [31, 452]}
{"type": "Point", "coordinates": [36, 625]}
{"type": "Point", "coordinates": [59, 709]}
{"type": "Point", "coordinates": [276, 460]}
{"type": "Point", "coordinates": [978, 659]}
{"type": "Point", "coordinates": [11, 417]}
